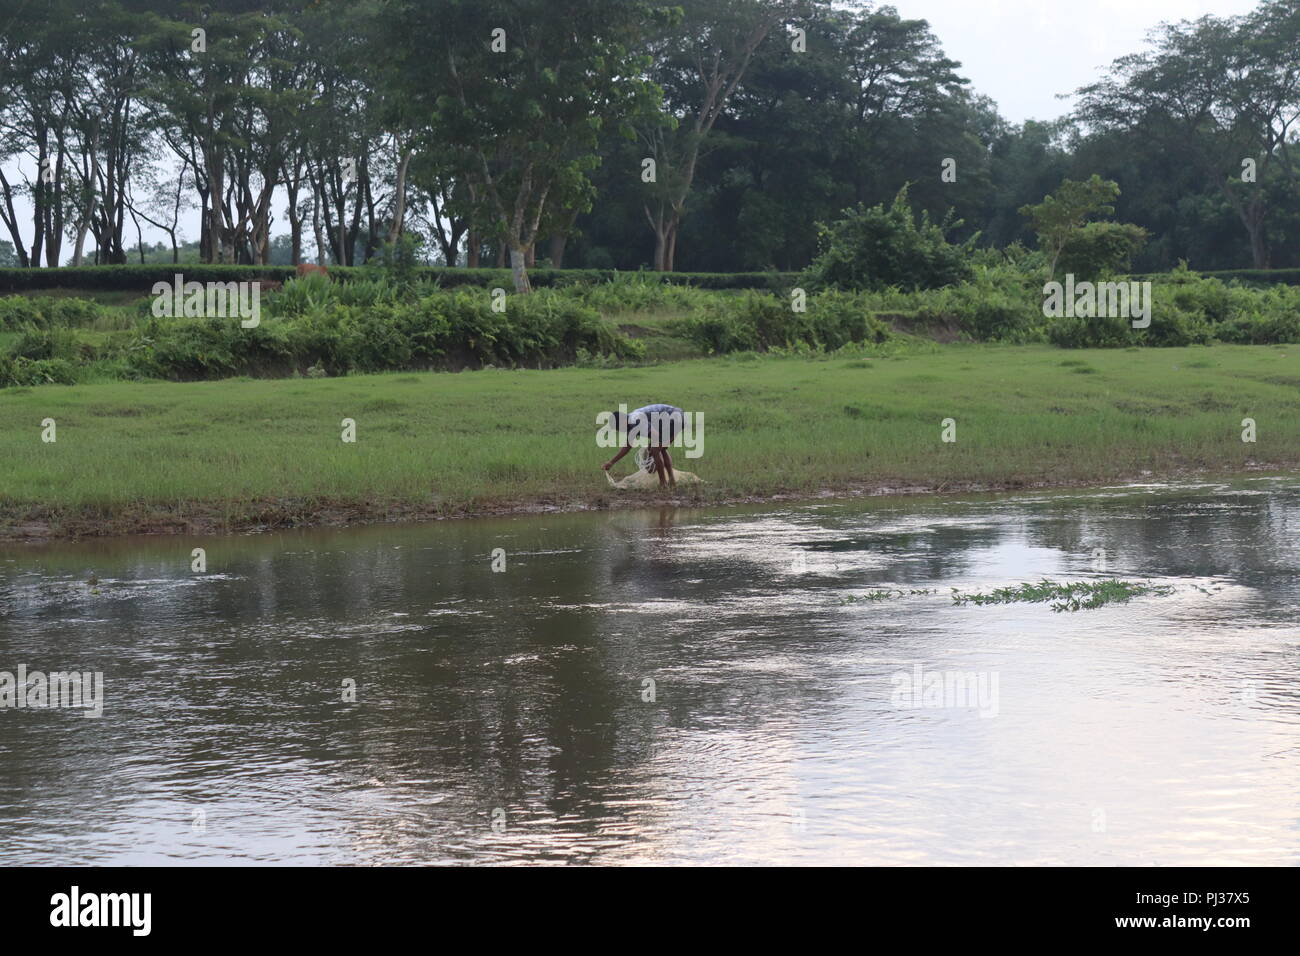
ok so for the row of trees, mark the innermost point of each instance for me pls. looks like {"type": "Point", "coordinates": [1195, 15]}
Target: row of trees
{"type": "Point", "coordinates": [705, 134]}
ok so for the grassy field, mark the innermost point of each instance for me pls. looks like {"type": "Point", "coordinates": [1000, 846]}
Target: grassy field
{"type": "Point", "coordinates": [240, 453]}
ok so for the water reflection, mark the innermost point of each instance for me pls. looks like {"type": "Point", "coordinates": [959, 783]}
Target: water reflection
{"type": "Point", "coordinates": [509, 716]}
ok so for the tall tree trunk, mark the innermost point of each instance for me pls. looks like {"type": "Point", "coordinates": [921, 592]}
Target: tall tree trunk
{"type": "Point", "coordinates": [319, 233]}
{"type": "Point", "coordinates": [205, 225]}
{"type": "Point", "coordinates": [38, 199]}
{"type": "Point", "coordinates": [519, 270]}
{"type": "Point", "coordinates": [11, 221]}
{"type": "Point", "coordinates": [54, 218]}
{"type": "Point", "coordinates": [661, 249]}
{"type": "Point", "coordinates": [1259, 250]}
{"type": "Point", "coordinates": [295, 239]}
{"type": "Point", "coordinates": [221, 250]}
{"type": "Point", "coordinates": [558, 240]}
{"type": "Point", "coordinates": [79, 250]}
{"type": "Point", "coordinates": [670, 248]}
{"type": "Point", "coordinates": [399, 198]}
{"type": "Point", "coordinates": [291, 186]}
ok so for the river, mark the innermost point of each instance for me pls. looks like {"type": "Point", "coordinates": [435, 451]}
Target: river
{"type": "Point", "coordinates": [672, 686]}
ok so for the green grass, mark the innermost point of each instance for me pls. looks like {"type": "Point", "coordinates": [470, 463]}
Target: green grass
{"type": "Point", "coordinates": [245, 452]}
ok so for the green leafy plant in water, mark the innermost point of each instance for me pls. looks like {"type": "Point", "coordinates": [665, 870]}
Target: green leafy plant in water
{"type": "Point", "coordinates": [884, 594]}
{"type": "Point", "coordinates": [1070, 596]}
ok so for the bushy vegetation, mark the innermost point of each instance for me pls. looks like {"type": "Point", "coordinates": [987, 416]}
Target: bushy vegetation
{"type": "Point", "coordinates": [446, 330]}
{"type": "Point", "coordinates": [142, 277]}
{"type": "Point", "coordinates": [754, 321]}
{"type": "Point", "coordinates": [879, 247]}
{"type": "Point", "coordinates": [1001, 303]}
{"type": "Point", "coordinates": [1190, 309]}
{"type": "Point", "coordinates": [313, 327]}
{"type": "Point", "coordinates": [18, 313]}
{"type": "Point", "coordinates": [1101, 248]}
{"type": "Point", "coordinates": [316, 326]}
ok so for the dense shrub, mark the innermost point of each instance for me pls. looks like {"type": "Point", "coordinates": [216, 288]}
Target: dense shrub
{"type": "Point", "coordinates": [1101, 248]}
{"type": "Point", "coordinates": [872, 248]}
{"type": "Point", "coordinates": [1094, 332]}
{"type": "Point", "coordinates": [717, 332]}
{"type": "Point", "coordinates": [1258, 329]}
{"type": "Point", "coordinates": [997, 305]}
{"type": "Point", "coordinates": [17, 312]}
{"type": "Point", "coordinates": [639, 292]}
{"type": "Point", "coordinates": [1191, 309]}
{"type": "Point", "coordinates": [757, 321]}
{"type": "Point", "coordinates": [444, 330]}
{"type": "Point", "coordinates": [46, 343]}
{"type": "Point", "coordinates": [837, 319]}
{"type": "Point", "coordinates": [45, 312]}
{"type": "Point", "coordinates": [299, 296]}
{"type": "Point", "coordinates": [17, 370]}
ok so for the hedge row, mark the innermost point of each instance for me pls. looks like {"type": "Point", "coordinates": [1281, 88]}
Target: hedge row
{"type": "Point", "coordinates": [142, 278]}
{"type": "Point", "coordinates": [441, 331]}
{"type": "Point", "coordinates": [1254, 276]}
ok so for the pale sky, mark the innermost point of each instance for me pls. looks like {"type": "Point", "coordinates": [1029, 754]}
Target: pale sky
{"type": "Point", "coordinates": [1023, 52]}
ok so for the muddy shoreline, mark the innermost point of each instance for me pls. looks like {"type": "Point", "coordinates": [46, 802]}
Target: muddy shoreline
{"type": "Point", "coordinates": [219, 518]}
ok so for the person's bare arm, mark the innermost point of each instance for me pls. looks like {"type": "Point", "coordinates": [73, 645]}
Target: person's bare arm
{"type": "Point", "coordinates": [614, 461]}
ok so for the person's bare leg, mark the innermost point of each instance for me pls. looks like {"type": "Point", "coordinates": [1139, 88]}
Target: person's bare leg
{"type": "Point", "coordinates": [668, 467]}
{"type": "Point", "coordinates": [658, 455]}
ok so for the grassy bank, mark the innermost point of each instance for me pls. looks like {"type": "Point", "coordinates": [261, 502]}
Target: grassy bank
{"type": "Point", "coordinates": [216, 456]}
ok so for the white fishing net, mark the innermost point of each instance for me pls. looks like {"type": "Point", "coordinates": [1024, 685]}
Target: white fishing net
{"type": "Point", "coordinates": [643, 479]}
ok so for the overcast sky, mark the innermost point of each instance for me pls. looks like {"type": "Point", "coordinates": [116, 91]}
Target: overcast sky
{"type": "Point", "coordinates": [1022, 53]}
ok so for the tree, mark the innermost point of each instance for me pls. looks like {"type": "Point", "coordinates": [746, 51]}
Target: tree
{"type": "Point", "coordinates": [520, 90]}
{"type": "Point", "coordinates": [1059, 216]}
{"type": "Point", "coordinates": [701, 59]}
{"type": "Point", "coordinates": [1214, 92]}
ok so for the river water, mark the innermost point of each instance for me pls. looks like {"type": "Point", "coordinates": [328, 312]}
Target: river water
{"type": "Point", "coordinates": [672, 686]}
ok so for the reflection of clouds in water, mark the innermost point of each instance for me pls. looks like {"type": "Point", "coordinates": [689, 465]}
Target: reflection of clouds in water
{"type": "Point", "coordinates": [773, 737]}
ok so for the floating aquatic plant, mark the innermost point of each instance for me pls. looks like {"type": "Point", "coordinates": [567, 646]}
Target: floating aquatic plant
{"type": "Point", "coordinates": [884, 594]}
{"type": "Point", "coordinates": [1070, 596]}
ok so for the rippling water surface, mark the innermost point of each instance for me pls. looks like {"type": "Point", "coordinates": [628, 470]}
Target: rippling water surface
{"type": "Point", "coordinates": [673, 686]}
